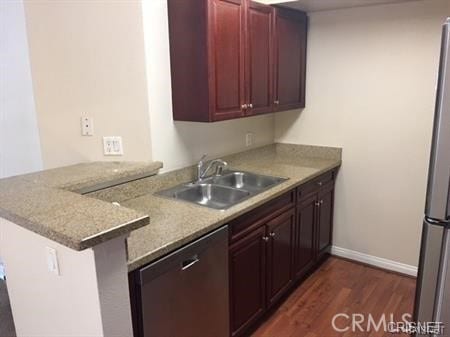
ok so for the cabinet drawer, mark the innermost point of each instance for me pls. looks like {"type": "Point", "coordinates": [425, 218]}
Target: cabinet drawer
{"type": "Point", "coordinates": [315, 184]}
{"type": "Point", "coordinates": [257, 217]}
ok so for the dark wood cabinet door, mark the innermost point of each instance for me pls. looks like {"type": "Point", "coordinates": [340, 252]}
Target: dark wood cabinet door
{"type": "Point", "coordinates": [279, 255]}
{"type": "Point", "coordinates": [304, 251]}
{"type": "Point", "coordinates": [259, 68]}
{"type": "Point", "coordinates": [290, 59]}
{"type": "Point", "coordinates": [325, 227]}
{"type": "Point", "coordinates": [226, 55]}
{"type": "Point", "coordinates": [247, 281]}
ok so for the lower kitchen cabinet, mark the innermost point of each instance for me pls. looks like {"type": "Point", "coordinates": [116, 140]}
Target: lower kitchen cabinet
{"type": "Point", "coordinates": [305, 237]}
{"type": "Point", "coordinates": [247, 280]}
{"type": "Point", "coordinates": [260, 270]}
{"type": "Point", "coordinates": [278, 249]}
{"type": "Point", "coordinates": [279, 255]}
{"type": "Point", "coordinates": [314, 226]}
{"type": "Point", "coordinates": [325, 219]}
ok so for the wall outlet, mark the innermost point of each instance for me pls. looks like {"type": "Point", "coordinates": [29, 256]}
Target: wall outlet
{"type": "Point", "coordinates": [249, 139]}
{"type": "Point", "coordinates": [112, 146]}
{"type": "Point", "coordinates": [87, 126]}
{"type": "Point", "coordinates": [52, 260]}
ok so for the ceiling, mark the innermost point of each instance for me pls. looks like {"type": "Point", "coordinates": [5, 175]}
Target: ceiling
{"type": "Point", "coordinates": [324, 5]}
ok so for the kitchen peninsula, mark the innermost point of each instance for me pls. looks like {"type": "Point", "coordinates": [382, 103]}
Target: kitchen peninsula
{"type": "Point", "coordinates": [86, 218]}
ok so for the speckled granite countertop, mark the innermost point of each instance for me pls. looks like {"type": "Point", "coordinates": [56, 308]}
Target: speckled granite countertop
{"type": "Point", "coordinates": [50, 202]}
{"type": "Point", "coordinates": [175, 223]}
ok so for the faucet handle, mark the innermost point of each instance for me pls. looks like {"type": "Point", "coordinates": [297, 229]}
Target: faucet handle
{"type": "Point", "coordinates": [222, 166]}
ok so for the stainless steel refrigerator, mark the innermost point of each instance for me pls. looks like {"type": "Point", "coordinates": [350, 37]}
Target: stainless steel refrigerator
{"type": "Point", "coordinates": [433, 281]}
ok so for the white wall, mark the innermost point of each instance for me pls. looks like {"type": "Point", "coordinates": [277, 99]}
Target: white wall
{"type": "Point", "coordinates": [178, 144]}
{"type": "Point", "coordinates": [87, 58]}
{"type": "Point", "coordinates": [90, 296]}
{"type": "Point", "coordinates": [371, 80]}
{"type": "Point", "coordinates": [20, 150]}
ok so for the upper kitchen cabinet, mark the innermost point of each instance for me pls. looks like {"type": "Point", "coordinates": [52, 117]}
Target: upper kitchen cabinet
{"type": "Point", "coordinates": [290, 59]}
{"type": "Point", "coordinates": [207, 51]}
{"type": "Point", "coordinates": [226, 58]}
{"type": "Point", "coordinates": [232, 59]}
{"type": "Point", "coordinates": [260, 58]}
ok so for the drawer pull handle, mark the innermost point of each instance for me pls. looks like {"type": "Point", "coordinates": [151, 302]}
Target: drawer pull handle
{"type": "Point", "coordinates": [265, 238]}
{"type": "Point", "coordinates": [317, 203]}
{"type": "Point", "coordinates": [189, 263]}
{"type": "Point", "coordinates": [272, 234]}
{"type": "Point", "coordinates": [320, 183]}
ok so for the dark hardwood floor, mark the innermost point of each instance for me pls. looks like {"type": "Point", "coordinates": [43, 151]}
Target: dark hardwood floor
{"type": "Point", "coordinates": [341, 286]}
{"type": "Point", "coordinates": [338, 286]}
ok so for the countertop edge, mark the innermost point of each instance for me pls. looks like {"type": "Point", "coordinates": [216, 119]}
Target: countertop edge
{"type": "Point", "coordinates": [88, 187]}
{"type": "Point", "coordinates": [114, 232]}
{"type": "Point", "coordinates": [69, 242]}
{"type": "Point", "coordinates": [38, 229]}
{"type": "Point", "coordinates": [124, 224]}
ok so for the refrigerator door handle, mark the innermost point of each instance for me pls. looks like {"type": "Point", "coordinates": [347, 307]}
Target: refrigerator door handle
{"type": "Point", "coordinates": [437, 205]}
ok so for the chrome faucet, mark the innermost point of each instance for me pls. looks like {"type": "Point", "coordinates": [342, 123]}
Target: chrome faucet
{"type": "Point", "coordinates": [201, 171]}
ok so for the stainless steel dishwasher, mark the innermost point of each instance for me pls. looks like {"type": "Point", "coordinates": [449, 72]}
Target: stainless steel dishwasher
{"type": "Point", "coordinates": [185, 294]}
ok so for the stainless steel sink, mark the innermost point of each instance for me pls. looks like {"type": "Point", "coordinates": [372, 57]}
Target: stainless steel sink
{"type": "Point", "coordinates": [246, 181]}
{"type": "Point", "coordinates": [224, 191]}
{"type": "Point", "coordinates": [213, 196]}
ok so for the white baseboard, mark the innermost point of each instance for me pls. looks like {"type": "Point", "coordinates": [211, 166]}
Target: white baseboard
{"type": "Point", "coordinates": [374, 261]}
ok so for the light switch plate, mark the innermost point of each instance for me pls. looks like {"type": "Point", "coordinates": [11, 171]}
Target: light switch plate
{"type": "Point", "coordinates": [112, 146]}
{"type": "Point", "coordinates": [249, 139]}
{"type": "Point", "coordinates": [87, 126]}
{"type": "Point", "coordinates": [52, 260]}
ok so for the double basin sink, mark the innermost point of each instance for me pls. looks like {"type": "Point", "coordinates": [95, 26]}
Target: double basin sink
{"type": "Point", "coordinates": [223, 191]}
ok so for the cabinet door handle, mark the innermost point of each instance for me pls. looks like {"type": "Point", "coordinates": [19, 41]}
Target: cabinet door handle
{"type": "Point", "coordinates": [244, 106]}
{"type": "Point", "coordinates": [272, 234]}
{"type": "Point", "coordinates": [317, 203]}
{"type": "Point", "coordinates": [320, 183]}
{"type": "Point", "coordinates": [250, 106]}
{"type": "Point", "coordinates": [276, 102]}
{"type": "Point", "coordinates": [189, 263]}
{"type": "Point", "coordinates": [265, 238]}
{"type": "Point", "coordinates": [321, 202]}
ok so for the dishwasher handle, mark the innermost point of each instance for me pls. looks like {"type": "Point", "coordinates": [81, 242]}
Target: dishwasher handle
{"type": "Point", "coordinates": [189, 263]}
